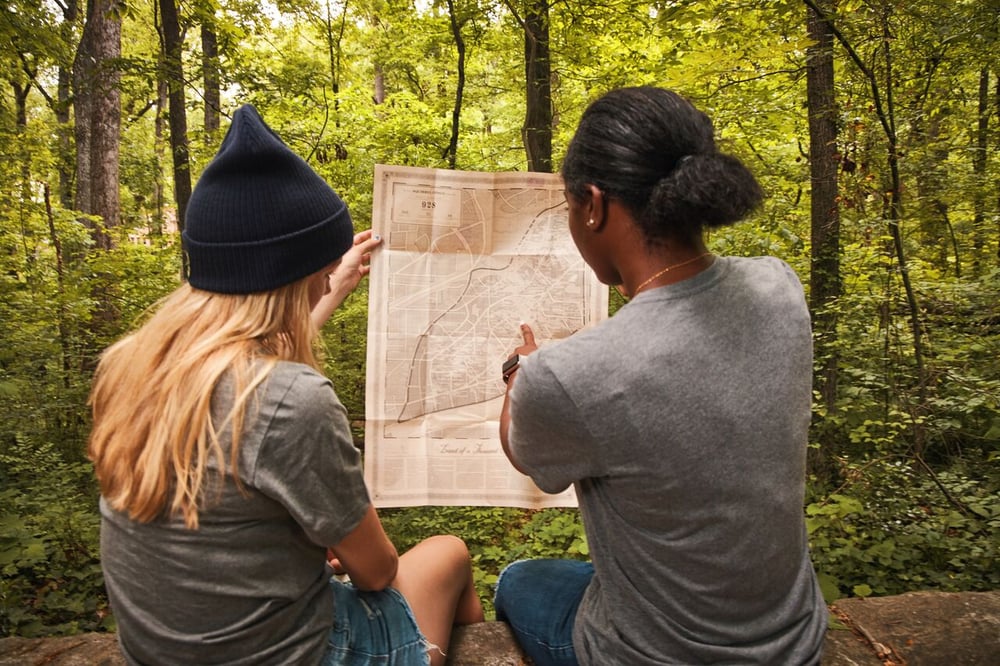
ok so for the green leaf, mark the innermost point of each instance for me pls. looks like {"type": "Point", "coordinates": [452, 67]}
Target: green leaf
{"type": "Point", "coordinates": [829, 586]}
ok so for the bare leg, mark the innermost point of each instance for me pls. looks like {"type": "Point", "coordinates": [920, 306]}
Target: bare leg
{"type": "Point", "coordinates": [435, 577]}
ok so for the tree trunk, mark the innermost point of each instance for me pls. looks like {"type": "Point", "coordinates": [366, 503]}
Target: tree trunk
{"type": "Point", "coordinates": [825, 283]}
{"type": "Point", "coordinates": [97, 111]}
{"type": "Point", "coordinates": [333, 46]}
{"type": "Point", "coordinates": [537, 131]}
{"type": "Point", "coordinates": [378, 91]}
{"type": "Point", "coordinates": [451, 152]}
{"type": "Point", "coordinates": [894, 216]}
{"type": "Point", "coordinates": [885, 111]}
{"type": "Point", "coordinates": [979, 169]}
{"type": "Point", "coordinates": [71, 10]}
{"type": "Point", "coordinates": [935, 223]}
{"type": "Point", "coordinates": [159, 143]}
{"type": "Point", "coordinates": [210, 75]}
{"type": "Point", "coordinates": [174, 74]}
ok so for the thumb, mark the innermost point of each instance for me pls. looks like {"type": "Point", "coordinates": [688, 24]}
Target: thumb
{"type": "Point", "coordinates": [527, 334]}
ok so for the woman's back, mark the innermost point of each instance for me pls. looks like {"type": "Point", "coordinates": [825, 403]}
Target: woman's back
{"type": "Point", "coordinates": [249, 585]}
{"type": "Point", "coordinates": [690, 410]}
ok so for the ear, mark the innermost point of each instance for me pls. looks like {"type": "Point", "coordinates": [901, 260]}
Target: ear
{"type": "Point", "coordinates": [598, 208]}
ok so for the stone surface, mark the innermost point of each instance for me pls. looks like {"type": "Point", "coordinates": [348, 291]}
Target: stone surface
{"type": "Point", "coordinates": [80, 650]}
{"type": "Point", "coordinates": [929, 628]}
{"type": "Point", "coordinates": [485, 644]}
{"type": "Point", "coordinates": [914, 629]}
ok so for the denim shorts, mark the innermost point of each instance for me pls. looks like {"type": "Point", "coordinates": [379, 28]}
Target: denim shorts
{"type": "Point", "coordinates": [373, 628]}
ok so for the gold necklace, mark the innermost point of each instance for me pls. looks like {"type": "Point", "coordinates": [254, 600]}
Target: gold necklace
{"type": "Point", "coordinates": [669, 268]}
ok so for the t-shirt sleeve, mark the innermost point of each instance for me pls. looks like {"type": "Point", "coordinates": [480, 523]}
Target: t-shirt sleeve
{"type": "Point", "coordinates": [548, 436]}
{"type": "Point", "coordinates": [308, 461]}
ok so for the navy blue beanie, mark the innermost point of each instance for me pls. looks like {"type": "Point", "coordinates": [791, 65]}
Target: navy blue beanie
{"type": "Point", "coordinates": [260, 217]}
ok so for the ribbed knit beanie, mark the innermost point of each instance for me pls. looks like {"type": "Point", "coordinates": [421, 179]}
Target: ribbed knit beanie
{"type": "Point", "coordinates": [260, 217]}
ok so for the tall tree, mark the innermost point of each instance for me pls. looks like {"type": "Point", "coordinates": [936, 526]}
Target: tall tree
{"type": "Point", "coordinates": [97, 113]}
{"type": "Point", "coordinates": [537, 128]}
{"type": "Point", "coordinates": [211, 76]}
{"type": "Point", "coordinates": [824, 279]}
{"type": "Point", "coordinates": [881, 84]}
{"type": "Point", "coordinates": [451, 152]}
{"type": "Point", "coordinates": [70, 10]}
{"type": "Point", "coordinates": [172, 45]}
{"type": "Point", "coordinates": [980, 145]}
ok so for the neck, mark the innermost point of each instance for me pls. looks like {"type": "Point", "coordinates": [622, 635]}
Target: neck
{"type": "Point", "coordinates": [666, 269]}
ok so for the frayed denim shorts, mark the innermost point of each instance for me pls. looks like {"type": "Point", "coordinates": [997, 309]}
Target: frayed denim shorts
{"type": "Point", "coordinates": [373, 628]}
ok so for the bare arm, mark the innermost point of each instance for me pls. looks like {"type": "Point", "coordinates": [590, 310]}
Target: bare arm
{"type": "Point", "coordinates": [353, 266]}
{"type": "Point", "coordinates": [367, 555]}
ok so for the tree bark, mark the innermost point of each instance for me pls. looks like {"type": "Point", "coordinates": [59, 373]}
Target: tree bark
{"type": "Point", "coordinates": [885, 112]}
{"type": "Point", "coordinates": [210, 75]}
{"type": "Point", "coordinates": [334, 52]}
{"type": "Point", "coordinates": [71, 10]}
{"type": "Point", "coordinates": [979, 169]}
{"type": "Point", "coordinates": [451, 152]}
{"type": "Point", "coordinates": [97, 112]}
{"type": "Point", "coordinates": [935, 223]}
{"type": "Point", "coordinates": [378, 85]}
{"type": "Point", "coordinates": [159, 143]}
{"type": "Point", "coordinates": [825, 282]}
{"type": "Point", "coordinates": [537, 130]}
{"type": "Point", "coordinates": [174, 74]}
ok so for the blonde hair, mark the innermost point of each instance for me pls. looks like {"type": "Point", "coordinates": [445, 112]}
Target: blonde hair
{"type": "Point", "coordinates": [153, 436]}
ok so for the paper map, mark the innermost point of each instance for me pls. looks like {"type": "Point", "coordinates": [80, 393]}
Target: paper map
{"type": "Point", "coordinates": [466, 258]}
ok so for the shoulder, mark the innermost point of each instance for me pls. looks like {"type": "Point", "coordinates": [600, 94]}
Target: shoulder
{"type": "Point", "coordinates": [300, 386]}
{"type": "Point", "coordinates": [559, 365]}
{"type": "Point", "coordinates": [765, 267]}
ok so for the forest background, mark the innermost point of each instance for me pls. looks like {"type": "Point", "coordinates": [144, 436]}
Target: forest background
{"type": "Point", "coordinates": [874, 126]}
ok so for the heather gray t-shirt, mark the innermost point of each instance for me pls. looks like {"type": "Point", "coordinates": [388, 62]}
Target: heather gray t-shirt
{"type": "Point", "coordinates": [682, 421]}
{"type": "Point", "coordinates": [251, 585]}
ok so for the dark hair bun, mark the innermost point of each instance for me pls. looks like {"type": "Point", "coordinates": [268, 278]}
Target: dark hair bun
{"type": "Point", "coordinates": [708, 190]}
{"type": "Point", "coordinates": [651, 149]}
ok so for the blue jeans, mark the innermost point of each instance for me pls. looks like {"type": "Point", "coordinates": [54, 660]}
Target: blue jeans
{"type": "Point", "coordinates": [373, 628]}
{"type": "Point", "coordinates": [539, 600]}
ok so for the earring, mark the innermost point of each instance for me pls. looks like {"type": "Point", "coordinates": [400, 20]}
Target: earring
{"type": "Point", "coordinates": [590, 222]}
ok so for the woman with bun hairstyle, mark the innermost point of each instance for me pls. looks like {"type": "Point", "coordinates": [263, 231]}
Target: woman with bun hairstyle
{"type": "Point", "coordinates": [682, 421]}
{"type": "Point", "coordinates": [225, 459]}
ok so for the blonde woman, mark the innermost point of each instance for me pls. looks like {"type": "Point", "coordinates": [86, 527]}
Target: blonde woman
{"type": "Point", "coordinates": [225, 459]}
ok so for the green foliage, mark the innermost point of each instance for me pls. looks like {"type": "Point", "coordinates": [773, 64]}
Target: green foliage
{"type": "Point", "coordinates": [894, 529]}
{"type": "Point", "coordinates": [50, 573]}
{"type": "Point", "coordinates": [344, 347]}
{"type": "Point", "coordinates": [903, 495]}
{"type": "Point", "coordinates": [495, 536]}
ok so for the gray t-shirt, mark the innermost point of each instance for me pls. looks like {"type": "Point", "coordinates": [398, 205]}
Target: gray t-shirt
{"type": "Point", "coordinates": [250, 585]}
{"type": "Point", "coordinates": [683, 421]}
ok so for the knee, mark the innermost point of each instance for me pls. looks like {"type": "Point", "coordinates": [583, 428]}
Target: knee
{"type": "Point", "coordinates": [450, 548]}
{"type": "Point", "coordinates": [508, 580]}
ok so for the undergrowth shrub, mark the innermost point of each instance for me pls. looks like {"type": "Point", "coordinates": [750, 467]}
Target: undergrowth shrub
{"type": "Point", "coordinates": [894, 528]}
{"type": "Point", "coordinates": [495, 536]}
{"type": "Point", "coordinates": [50, 573]}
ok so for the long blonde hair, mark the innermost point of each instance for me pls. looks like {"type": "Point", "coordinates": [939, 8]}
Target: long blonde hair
{"type": "Point", "coordinates": [153, 436]}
